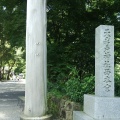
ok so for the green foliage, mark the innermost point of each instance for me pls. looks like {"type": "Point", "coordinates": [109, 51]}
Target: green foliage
{"type": "Point", "coordinates": [73, 87]}
{"type": "Point", "coordinates": [12, 33]}
{"type": "Point", "coordinates": [76, 88]}
{"type": "Point", "coordinates": [53, 102]}
{"type": "Point", "coordinates": [13, 19]}
{"type": "Point", "coordinates": [71, 27]}
{"type": "Point", "coordinates": [20, 66]}
{"type": "Point", "coordinates": [117, 84]}
{"type": "Point", "coordinates": [117, 80]}
{"type": "Point", "coordinates": [71, 42]}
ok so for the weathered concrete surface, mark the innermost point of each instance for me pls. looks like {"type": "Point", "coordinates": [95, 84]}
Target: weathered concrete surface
{"type": "Point", "coordinates": [9, 92]}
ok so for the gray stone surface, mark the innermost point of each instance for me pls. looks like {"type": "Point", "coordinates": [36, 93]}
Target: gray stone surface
{"type": "Point", "coordinates": [36, 74]}
{"type": "Point", "coordinates": [79, 115]}
{"type": "Point", "coordinates": [104, 61]}
{"type": "Point", "coordinates": [102, 107]}
{"type": "Point", "coordinates": [9, 92]}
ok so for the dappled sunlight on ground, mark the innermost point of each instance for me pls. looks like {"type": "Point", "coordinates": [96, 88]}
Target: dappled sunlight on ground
{"type": "Point", "coordinates": [9, 92]}
{"type": "Point", "coordinates": [2, 115]}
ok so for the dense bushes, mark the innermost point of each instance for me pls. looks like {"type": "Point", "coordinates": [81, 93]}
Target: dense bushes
{"type": "Point", "coordinates": [71, 44]}
{"type": "Point", "coordinates": [73, 88]}
{"type": "Point", "coordinates": [117, 81]}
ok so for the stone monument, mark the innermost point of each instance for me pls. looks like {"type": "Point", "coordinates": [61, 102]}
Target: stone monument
{"type": "Point", "coordinates": [103, 105]}
{"type": "Point", "coordinates": [36, 73]}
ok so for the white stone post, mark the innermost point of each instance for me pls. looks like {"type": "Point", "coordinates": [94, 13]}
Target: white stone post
{"type": "Point", "coordinates": [36, 73]}
{"type": "Point", "coordinates": [104, 61]}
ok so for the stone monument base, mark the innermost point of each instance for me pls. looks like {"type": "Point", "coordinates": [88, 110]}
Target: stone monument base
{"type": "Point", "coordinates": [99, 108]}
{"type": "Point", "coordinates": [79, 115]}
{"type": "Point", "coordinates": [46, 117]}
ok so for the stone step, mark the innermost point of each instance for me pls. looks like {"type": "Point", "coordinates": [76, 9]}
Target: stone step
{"type": "Point", "coordinates": [79, 115]}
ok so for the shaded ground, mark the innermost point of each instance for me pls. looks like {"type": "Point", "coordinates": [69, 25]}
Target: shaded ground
{"type": "Point", "coordinates": [9, 92]}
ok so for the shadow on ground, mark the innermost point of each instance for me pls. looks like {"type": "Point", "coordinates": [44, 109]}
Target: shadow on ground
{"type": "Point", "coordinates": [12, 95]}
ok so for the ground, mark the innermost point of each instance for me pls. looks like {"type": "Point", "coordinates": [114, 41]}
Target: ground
{"type": "Point", "coordinates": [9, 92]}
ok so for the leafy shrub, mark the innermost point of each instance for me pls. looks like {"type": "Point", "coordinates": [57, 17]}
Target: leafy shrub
{"type": "Point", "coordinates": [76, 88]}
{"type": "Point", "coordinates": [73, 88]}
{"type": "Point", "coordinates": [117, 81]}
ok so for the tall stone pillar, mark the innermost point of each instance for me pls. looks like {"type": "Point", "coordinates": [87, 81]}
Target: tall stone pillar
{"type": "Point", "coordinates": [104, 61]}
{"type": "Point", "coordinates": [35, 89]}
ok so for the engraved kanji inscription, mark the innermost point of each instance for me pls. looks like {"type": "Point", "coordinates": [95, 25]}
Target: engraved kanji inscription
{"type": "Point", "coordinates": [106, 64]}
